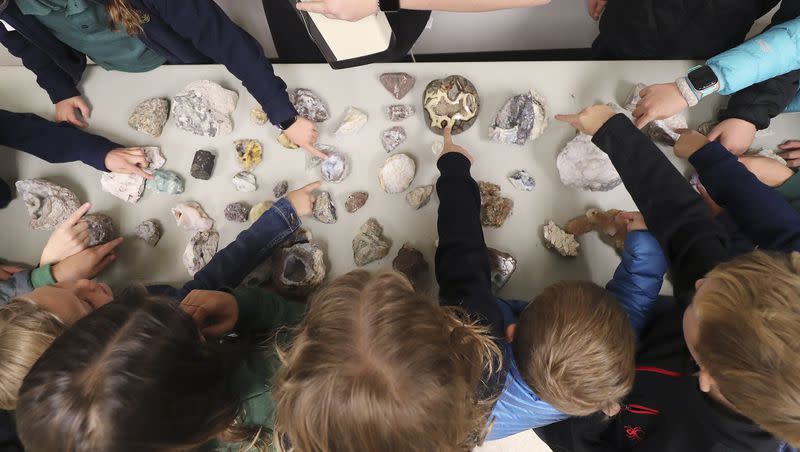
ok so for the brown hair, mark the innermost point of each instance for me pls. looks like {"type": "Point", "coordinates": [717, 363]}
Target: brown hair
{"type": "Point", "coordinates": [121, 12]}
{"type": "Point", "coordinates": [574, 346]}
{"type": "Point", "coordinates": [748, 321]}
{"type": "Point", "coordinates": [377, 366]}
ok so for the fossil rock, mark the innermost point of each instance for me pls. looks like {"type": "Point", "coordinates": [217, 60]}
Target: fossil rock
{"type": "Point", "coordinates": [203, 165]}
{"type": "Point", "coordinates": [502, 266]}
{"type": "Point", "coordinates": [324, 210]}
{"type": "Point", "coordinates": [249, 153]}
{"type": "Point", "coordinates": [166, 182]}
{"type": "Point", "coordinates": [583, 165]}
{"type": "Point", "coordinates": [522, 180]}
{"type": "Point", "coordinates": [521, 119]}
{"type": "Point", "coordinates": [397, 173]}
{"type": "Point", "coordinates": [204, 108]}
{"type": "Point", "coordinates": [451, 101]}
{"type": "Point", "coordinates": [298, 270]}
{"type": "Point", "coordinates": [560, 240]}
{"type": "Point", "coordinates": [201, 248]}
{"type": "Point", "coordinates": [399, 112]}
{"type": "Point", "coordinates": [660, 130]}
{"type": "Point", "coordinates": [308, 105]}
{"type": "Point", "coordinates": [257, 210]}
{"type": "Point", "coordinates": [392, 138]}
{"type": "Point", "coordinates": [237, 211]}
{"type": "Point", "coordinates": [495, 209]}
{"type": "Point", "coordinates": [369, 244]}
{"type": "Point", "coordinates": [412, 263]}
{"type": "Point", "coordinates": [155, 159]}
{"type": "Point", "coordinates": [244, 181]}
{"type": "Point", "coordinates": [286, 142]}
{"type": "Point", "coordinates": [397, 83]}
{"type": "Point", "coordinates": [420, 196]}
{"type": "Point", "coordinates": [604, 222]}
{"type": "Point", "coordinates": [150, 116]}
{"type": "Point", "coordinates": [355, 201]}
{"type": "Point", "coordinates": [258, 117]}
{"type": "Point", "coordinates": [191, 217]}
{"type": "Point", "coordinates": [352, 122]}
{"type": "Point", "coordinates": [335, 168]}
{"type": "Point", "coordinates": [150, 231]}
{"type": "Point", "coordinates": [127, 187]}
{"type": "Point", "coordinates": [101, 228]}
{"type": "Point", "coordinates": [48, 204]}
{"type": "Point", "coordinates": [280, 188]}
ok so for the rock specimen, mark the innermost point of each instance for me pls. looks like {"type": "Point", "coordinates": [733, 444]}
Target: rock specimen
{"type": "Point", "coordinates": [155, 159]}
{"type": "Point", "coordinates": [369, 244]}
{"type": "Point", "coordinates": [280, 188]}
{"type": "Point", "coordinates": [308, 105]}
{"type": "Point", "coordinates": [149, 231]}
{"type": "Point", "coordinates": [419, 197]}
{"type": "Point", "coordinates": [399, 112]}
{"type": "Point", "coordinates": [324, 210]}
{"type": "Point", "coordinates": [191, 217]}
{"type": "Point", "coordinates": [437, 147]}
{"type": "Point", "coordinates": [298, 270]}
{"type": "Point", "coordinates": [660, 130]}
{"type": "Point", "coordinates": [203, 165]}
{"type": "Point", "coordinates": [258, 210]}
{"type": "Point", "coordinates": [249, 153]}
{"type": "Point", "coordinates": [286, 142]}
{"type": "Point", "coordinates": [48, 204]}
{"type": "Point", "coordinates": [412, 263]}
{"type": "Point", "coordinates": [335, 168]}
{"type": "Point", "coordinates": [522, 180]}
{"type": "Point", "coordinates": [127, 187]}
{"type": "Point", "coordinates": [244, 181]}
{"type": "Point", "coordinates": [101, 228]}
{"type": "Point", "coordinates": [150, 116]}
{"type": "Point", "coordinates": [204, 108]}
{"type": "Point", "coordinates": [312, 161]}
{"type": "Point", "coordinates": [495, 209]}
{"type": "Point", "coordinates": [166, 182]}
{"type": "Point", "coordinates": [201, 248]}
{"type": "Point", "coordinates": [584, 166]}
{"type": "Point", "coordinates": [355, 201]}
{"type": "Point", "coordinates": [392, 138]}
{"type": "Point", "coordinates": [258, 117]}
{"type": "Point", "coordinates": [502, 266]}
{"type": "Point", "coordinates": [397, 173]}
{"type": "Point", "coordinates": [397, 83]}
{"type": "Point", "coordinates": [352, 122]}
{"type": "Point", "coordinates": [560, 240]}
{"type": "Point", "coordinates": [604, 222]}
{"type": "Point", "coordinates": [237, 211]}
{"type": "Point", "coordinates": [522, 118]}
{"type": "Point", "coordinates": [452, 101]}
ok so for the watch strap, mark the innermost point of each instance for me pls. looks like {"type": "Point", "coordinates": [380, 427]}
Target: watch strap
{"type": "Point", "coordinates": [687, 91]}
{"type": "Point", "coordinates": [288, 123]}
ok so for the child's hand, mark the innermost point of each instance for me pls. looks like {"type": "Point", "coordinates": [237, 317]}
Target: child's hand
{"type": "Point", "coordinates": [67, 111]}
{"type": "Point", "coordinates": [351, 10]}
{"type": "Point", "coordinates": [215, 313]}
{"type": "Point", "coordinates": [87, 264]}
{"type": "Point", "coordinates": [658, 102]}
{"type": "Point", "coordinates": [450, 147]}
{"type": "Point", "coordinates": [70, 237]}
{"type": "Point", "coordinates": [304, 134]}
{"type": "Point", "coordinates": [596, 8]}
{"type": "Point", "coordinates": [790, 151]}
{"type": "Point", "coordinates": [735, 134]}
{"type": "Point", "coordinates": [128, 161]}
{"type": "Point", "coordinates": [690, 142]}
{"type": "Point", "coordinates": [303, 199]}
{"type": "Point", "coordinates": [632, 221]}
{"type": "Point", "coordinates": [770, 172]}
{"type": "Point", "coordinates": [590, 119]}
{"type": "Point", "coordinates": [7, 271]}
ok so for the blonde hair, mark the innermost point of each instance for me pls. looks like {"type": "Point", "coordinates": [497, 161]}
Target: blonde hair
{"type": "Point", "coordinates": [377, 366]}
{"type": "Point", "coordinates": [574, 346]}
{"type": "Point", "coordinates": [132, 20]}
{"type": "Point", "coordinates": [26, 331]}
{"type": "Point", "coordinates": [748, 320]}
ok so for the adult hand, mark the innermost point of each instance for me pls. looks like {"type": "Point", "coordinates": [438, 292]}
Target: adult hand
{"type": "Point", "coordinates": [304, 134]}
{"type": "Point", "coordinates": [67, 111]}
{"type": "Point", "coordinates": [632, 221]}
{"type": "Point", "coordinates": [70, 237]}
{"type": "Point", "coordinates": [128, 161]}
{"type": "Point", "coordinates": [449, 146]}
{"type": "Point", "coordinates": [735, 134]}
{"type": "Point", "coordinates": [590, 119]}
{"type": "Point", "coordinates": [351, 10]}
{"type": "Point", "coordinates": [769, 171]}
{"type": "Point", "coordinates": [790, 151]}
{"type": "Point", "coordinates": [658, 102]}
{"type": "Point", "coordinates": [7, 271]}
{"type": "Point", "coordinates": [303, 198]}
{"type": "Point", "coordinates": [87, 264]}
{"type": "Point", "coordinates": [596, 8]}
{"type": "Point", "coordinates": [690, 142]}
{"type": "Point", "coordinates": [215, 313]}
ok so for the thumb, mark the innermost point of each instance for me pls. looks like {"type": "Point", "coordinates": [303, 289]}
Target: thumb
{"type": "Point", "coordinates": [77, 215]}
{"type": "Point", "coordinates": [311, 187]}
{"type": "Point", "coordinates": [84, 108]}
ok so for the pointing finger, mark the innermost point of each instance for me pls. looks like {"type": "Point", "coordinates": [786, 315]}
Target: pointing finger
{"type": "Point", "coordinates": [73, 219]}
{"type": "Point", "coordinates": [312, 186]}
{"type": "Point", "coordinates": [107, 248]}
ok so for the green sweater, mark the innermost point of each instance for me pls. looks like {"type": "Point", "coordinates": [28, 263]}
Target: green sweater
{"type": "Point", "coordinates": [790, 190]}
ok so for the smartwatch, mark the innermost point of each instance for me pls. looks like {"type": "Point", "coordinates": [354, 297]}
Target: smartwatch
{"type": "Point", "coordinates": [703, 80]}
{"type": "Point", "coordinates": [288, 123]}
{"type": "Point", "coordinates": [389, 6]}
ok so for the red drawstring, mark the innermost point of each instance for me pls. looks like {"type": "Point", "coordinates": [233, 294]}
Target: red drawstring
{"type": "Point", "coordinates": [641, 409]}
{"type": "Point", "coordinates": [658, 370]}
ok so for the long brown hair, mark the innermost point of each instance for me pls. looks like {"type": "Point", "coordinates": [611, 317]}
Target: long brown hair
{"type": "Point", "coordinates": [121, 12]}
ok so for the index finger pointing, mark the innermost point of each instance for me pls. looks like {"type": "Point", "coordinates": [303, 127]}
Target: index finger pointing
{"type": "Point", "coordinates": [312, 186]}
{"type": "Point", "coordinates": [109, 247]}
{"type": "Point", "coordinates": [316, 152]}
{"type": "Point", "coordinates": [77, 215]}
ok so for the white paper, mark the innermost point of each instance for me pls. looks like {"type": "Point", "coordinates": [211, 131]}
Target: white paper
{"type": "Point", "coordinates": [348, 40]}
{"type": "Point", "coordinates": [8, 27]}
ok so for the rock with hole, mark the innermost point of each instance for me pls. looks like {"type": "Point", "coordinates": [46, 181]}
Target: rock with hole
{"type": "Point", "coordinates": [48, 204]}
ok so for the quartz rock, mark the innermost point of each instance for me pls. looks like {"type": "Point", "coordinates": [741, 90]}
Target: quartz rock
{"type": "Point", "coordinates": [166, 182]}
{"type": "Point", "coordinates": [237, 211]}
{"type": "Point", "coordinates": [397, 83]}
{"type": "Point", "coordinates": [522, 118]}
{"type": "Point", "coordinates": [48, 204]}
{"type": "Point", "coordinates": [352, 122]}
{"type": "Point", "coordinates": [280, 188]}
{"type": "Point", "coordinates": [244, 181]}
{"type": "Point", "coordinates": [258, 117]}
{"type": "Point", "coordinates": [201, 248]}
{"type": "Point", "coordinates": [392, 138]}
{"type": "Point", "coordinates": [420, 196]}
{"type": "Point", "coordinates": [324, 210]}
{"type": "Point", "coordinates": [249, 153]}
{"type": "Point", "coordinates": [397, 173]}
{"type": "Point", "coordinates": [190, 216]}
{"type": "Point", "coordinates": [522, 180]}
{"type": "Point", "coordinates": [660, 130]}
{"type": "Point", "coordinates": [204, 108]}
{"type": "Point", "coordinates": [604, 222]}
{"type": "Point", "coordinates": [298, 270]}
{"type": "Point", "coordinates": [101, 228]}
{"type": "Point", "coordinates": [149, 231]}
{"type": "Point", "coordinates": [155, 159]}
{"type": "Point", "coordinates": [502, 266]}
{"type": "Point", "coordinates": [411, 262]}
{"type": "Point", "coordinates": [259, 209]}
{"type": "Point", "coordinates": [583, 165]}
{"type": "Point", "coordinates": [495, 209]}
{"type": "Point", "coordinates": [335, 168]}
{"type": "Point", "coordinates": [452, 101]}
{"type": "Point", "coordinates": [437, 148]}
{"type": "Point", "coordinates": [308, 105]}
{"type": "Point", "coordinates": [399, 112]}
{"type": "Point", "coordinates": [286, 142]}
{"type": "Point", "coordinates": [150, 116]}
{"type": "Point", "coordinates": [355, 201]}
{"type": "Point", "coordinates": [560, 240]}
{"type": "Point", "coordinates": [127, 187]}
{"type": "Point", "coordinates": [203, 165]}
{"type": "Point", "coordinates": [369, 244]}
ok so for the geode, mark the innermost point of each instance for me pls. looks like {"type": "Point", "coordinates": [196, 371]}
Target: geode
{"type": "Point", "coordinates": [502, 266]}
{"type": "Point", "coordinates": [324, 210]}
{"type": "Point", "coordinates": [191, 217]}
{"type": "Point", "coordinates": [411, 262]}
{"type": "Point", "coordinates": [560, 240]}
{"type": "Point", "coordinates": [397, 173]}
{"type": "Point", "coordinates": [308, 105]}
{"type": "Point", "coordinates": [392, 138]}
{"type": "Point", "coordinates": [258, 117]}
{"type": "Point", "coordinates": [150, 116]}
{"type": "Point", "coordinates": [244, 181]}
{"type": "Point", "coordinates": [584, 166]}
{"type": "Point", "coordinates": [204, 108]}
{"type": "Point", "coordinates": [101, 228]}
{"type": "Point", "coordinates": [165, 181]}
{"type": "Point", "coordinates": [286, 142]}
{"type": "Point", "coordinates": [201, 248]}
{"type": "Point", "coordinates": [522, 118]}
{"type": "Point", "coordinates": [298, 270]}
{"type": "Point", "coordinates": [48, 204]}
{"type": "Point", "coordinates": [335, 168]}
{"type": "Point", "coordinates": [280, 188]}
{"type": "Point", "coordinates": [450, 102]}
{"type": "Point", "coordinates": [352, 122]}
{"type": "Point", "coordinates": [203, 165]}
{"type": "Point", "coordinates": [127, 187]}
{"type": "Point", "coordinates": [369, 244]}
{"type": "Point", "coordinates": [259, 209]}
{"type": "Point", "coordinates": [660, 130]}
{"type": "Point", "coordinates": [149, 231]}
{"type": "Point", "coordinates": [237, 211]}
{"type": "Point", "coordinates": [419, 197]}
{"type": "Point", "coordinates": [495, 209]}
{"type": "Point", "coordinates": [397, 83]}
{"type": "Point", "coordinates": [355, 201]}
{"type": "Point", "coordinates": [399, 112]}
{"type": "Point", "coordinates": [249, 153]}
{"type": "Point", "coordinates": [522, 180]}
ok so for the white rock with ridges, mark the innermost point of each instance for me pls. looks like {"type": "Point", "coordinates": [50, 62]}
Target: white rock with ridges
{"type": "Point", "coordinates": [397, 173]}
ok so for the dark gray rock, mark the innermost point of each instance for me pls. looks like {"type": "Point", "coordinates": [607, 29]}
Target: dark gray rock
{"type": "Point", "coordinates": [203, 165]}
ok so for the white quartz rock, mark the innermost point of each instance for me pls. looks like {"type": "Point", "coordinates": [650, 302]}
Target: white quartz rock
{"type": "Point", "coordinates": [583, 165]}
{"type": "Point", "coordinates": [127, 187]}
{"type": "Point", "coordinates": [201, 248]}
{"type": "Point", "coordinates": [352, 122]}
{"type": "Point", "coordinates": [660, 130]}
{"type": "Point", "coordinates": [191, 217]}
{"type": "Point", "coordinates": [204, 108]}
{"type": "Point", "coordinates": [397, 173]}
{"type": "Point", "coordinates": [335, 168]}
{"type": "Point", "coordinates": [245, 181]}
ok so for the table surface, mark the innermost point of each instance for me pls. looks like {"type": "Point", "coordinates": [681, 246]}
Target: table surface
{"type": "Point", "coordinates": [566, 86]}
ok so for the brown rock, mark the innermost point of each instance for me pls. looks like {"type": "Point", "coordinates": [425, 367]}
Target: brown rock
{"type": "Point", "coordinates": [355, 201]}
{"type": "Point", "coordinates": [411, 262]}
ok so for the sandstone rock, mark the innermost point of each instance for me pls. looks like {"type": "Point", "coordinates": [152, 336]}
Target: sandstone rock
{"type": "Point", "coordinates": [48, 204]}
{"type": "Point", "coordinates": [397, 173]}
{"type": "Point", "coordinates": [352, 122]}
{"type": "Point", "coordinates": [522, 180]}
{"type": "Point", "coordinates": [451, 101]}
{"type": "Point", "coordinates": [660, 130]}
{"type": "Point", "coordinates": [203, 165]}
{"type": "Point", "coordinates": [399, 112]}
{"type": "Point", "coordinates": [411, 262]}
{"type": "Point", "coordinates": [249, 153]}
{"type": "Point", "coordinates": [258, 117]}
{"type": "Point", "coordinates": [286, 142]}
{"type": "Point", "coordinates": [191, 217]}
{"type": "Point", "coordinates": [237, 211]}
{"type": "Point", "coordinates": [298, 270]}
{"type": "Point", "coordinates": [201, 248]}
{"type": "Point", "coordinates": [419, 197]}
{"type": "Point", "coordinates": [355, 201]}
{"type": "Point", "coordinates": [259, 209]}
{"type": "Point", "coordinates": [392, 138]}
{"type": "Point", "coordinates": [204, 108]}
{"type": "Point", "coordinates": [127, 187]}
{"type": "Point", "coordinates": [244, 181]}
{"type": "Point", "coordinates": [560, 240]}
{"type": "Point", "coordinates": [150, 116]}
{"type": "Point", "coordinates": [522, 118]}
{"type": "Point", "coordinates": [495, 209]}
{"type": "Point", "coordinates": [308, 105]}
{"type": "Point", "coordinates": [324, 210]}
{"type": "Point", "coordinates": [335, 168]}
{"type": "Point", "coordinates": [149, 231]}
{"type": "Point", "coordinates": [502, 266]}
{"type": "Point", "coordinates": [369, 244]}
{"type": "Point", "coordinates": [584, 166]}
{"type": "Point", "coordinates": [280, 188]}
{"type": "Point", "coordinates": [101, 228]}
{"type": "Point", "coordinates": [397, 83]}
{"type": "Point", "coordinates": [166, 182]}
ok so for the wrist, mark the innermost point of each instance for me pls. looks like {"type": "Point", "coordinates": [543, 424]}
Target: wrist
{"type": "Point", "coordinates": [284, 125]}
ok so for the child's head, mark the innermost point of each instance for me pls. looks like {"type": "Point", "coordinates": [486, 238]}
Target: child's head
{"type": "Point", "coordinates": [574, 346]}
{"type": "Point", "coordinates": [377, 366]}
{"type": "Point", "coordinates": [742, 330]}
{"type": "Point", "coordinates": [121, 12]}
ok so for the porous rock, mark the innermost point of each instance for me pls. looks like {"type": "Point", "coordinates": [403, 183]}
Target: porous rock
{"type": "Point", "coordinates": [584, 166]}
{"type": "Point", "coordinates": [355, 201]}
{"type": "Point", "coordinates": [522, 180]}
{"type": "Point", "coordinates": [150, 116]}
{"type": "Point", "coordinates": [280, 188]}
{"type": "Point", "coordinates": [48, 204]}
{"type": "Point", "coordinates": [370, 244]}
{"type": "Point", "coordinates": [335, 168]}
{"type": "Point", "coordinates": [308, 105]}
{"type": "Point", "coordinates": [604, 222]}
{"type": "Point", "coordinates": [450, 102]}
{"type": "Point", "coordinates": [249, 153]}
{"type": "Point", "coordinates": [397, 173]}
{"type": "Point", "coordinates": [244, 181]}
{"type": "Point", "coordinates": [165, 181]}
{"type": "Point", "coordinates": [127, 187]}
{"type": "Point", "coordinates": [502, 266]}
{"type": "Point", "coordinates": [392, 138]}
{"type": "Point", "coordinates": [324, 210]}
{"type": "Point", "coordinates": [203, 165]}
{"type": "Point", "coordinates": [201, 248]}
{"type": "Point", "coordinates": [204, 108]}
{"type": "Point", "coordinates": [521, 119]}
{"type": "Point", "coordinates": [352, 122]}
{"type": "Point", "coordinates": [298, 270]}
{"type": "Point", "coordinates": [101, 228]}
{"type": "Point", "coordinates": [191, 217]}
{"type": "Point", "coordinates": [258, 117]}
{"type": "Point", "coordinates": [257, 210]}
{"type": "Point", "coordinates": [237, 211]}
{"type": "Point", "coordinates": [495, 209]}
{"type": "Point", "coordinates": [420, 196]}
{"type": "Point", "coordinates": [149, 231]}
{"type": "Point", "coordinates": [661, 130]}
{"type": "Point", "coordinates": [397, 83]}
{"type": "Point", "coordinates": [411, 262]}
{"type": "Point", "coordinates": [399, 112]}
{"type": "Point", "coordinates": [286, 142]}
{"type": "Point", "coordinates": [560, 240]}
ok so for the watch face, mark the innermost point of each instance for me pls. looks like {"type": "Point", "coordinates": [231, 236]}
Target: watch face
{"type": "Point", "coordinates": [702, 78]}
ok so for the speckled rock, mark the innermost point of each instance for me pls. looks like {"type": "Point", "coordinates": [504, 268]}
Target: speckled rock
{"type": "Point", "coordinates": [452, 101]}
{"type": "Point", "coordinates": [560, 240]}
{"type": "Point", "coordinates": [502, 266]}
{"type": "Point", "coordinates": [309, 105]}
{"type": "Point", "coordinates": [495, 209]}
{"type": "Point", "coordinates": [335, 168]}
{"type": "Point", "coordinates": [392, 138]}
{"type": "Point", "coordinates": [101, 228]}
{"type": "Point", "coordinates": [191, 217]}
{"type": "Point", "coordinates": [286, 142]}
{"type": "Point", "coordinates": [204, 108]}
{"type": "Point", "coordinates": [149, 231]}
{"type": "Point", "coordinates": [166, 182]}
{"type": "Point", "coordinates": [150, 116]}
{"type": "Point", "coordinates": [324, 210]}
{"type": "Point", "coordinates": [244, 181]}
{"type": "Point", "coordinates": [298, 270]}
{"type": "Point", "coordinates": [237, 212]}
{"type": "Point", "coordinates": [127, 187]}
{"type": "Point", "coordinates": [584, 166]}
{"type": "Point", "coordinates": [201, 248]}
{"type": "Point", "coordinates": [203, 165]}
{"type": "Point", "coordinates": [352, 122]}
{"type": "Point", "coordinates": [280, 188]}
{"type": "Point", "coordinates": [399, 112]}
{"type": "Point", "coordinates": [522, 180]}
{"type": "Point", "coordinates": [419, 197]}
{"type": "Point", "coordinates": [522, 118]}
{"type": "Point", "coordinates": [249, 153]}
{"type": "Point", "coordinates": [369, 244]}
{"type": "Point", "coordinates": [257, 210]}
{"type": "Point", "coordinates": [258, 117]}
{"type": "Point", "coordinates": [411, 262]}
{"type": "Point", "coordinates": [397, 173]}
{"type": "Point", "coordinates": [397, 83]}
{"type": "Point", "coordinates": [355, 201]}
{"type": "Point", "coordinates": [48, 204]}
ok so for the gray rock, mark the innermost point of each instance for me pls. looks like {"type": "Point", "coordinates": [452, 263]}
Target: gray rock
{"type": "Point", "coordinates": [48, 204]}
{"type": "Point", "coordinates": [203, 165]}
{"type": "Point", "coordinates": [399, 112]}
{"type": "Point", "coordinates": [298, 270]}
{"type": "Point", "coordinates": [397, 173]}
{"type": "Point", "coordinates": [352, 122]}
{"type": "Point", "coordinates": [149, 231]}
{"type": "Point", "coordinates": [101, 228]}
{"type": "Point", "coordinates": [452, 101]}
{"type": "Point", "coordinates": [165, 181]}
{"type": "Point", "coordinates": [204, 108]}
{"type": "Point", "coordinates": [502, 266]}
{"type": "Point", "coordinates": [335, 168]}
{"type": "Point", "coordinates": [309, 105]}
{"type": "Point", "coordinates": [127, 187]}
{"type": "Point", "coordinates": [280, 188]}
{"type": "Point", "coordinates": [521, 119]}
{"type": "Point", "coordinates": [324, 210]}
{"type": "Point", "coordinates": [201, 248]}
{"type": "Point", "coordinates": [420, 196]}
{"type": "Point", "coordinates": [237, 211]}
{"type": "Point", "coordinates": [522, 180]}
{"type": "Point", "coordinates": [150, 116]}
{"type": "Point", "coordinates": [584, 166]}
{"type": "Point", "coordinates": [397, 83]}
{"type": "Point", "coordinates": [355, 201]}
{"type": "Point", "coordinates": [392, 138]}
{"type": "Point", "coordinates": [244, 181]}
{"type": "Point", "coordinates": [369, 244]}
{"type": "Point", "coordinates": [410, 262]}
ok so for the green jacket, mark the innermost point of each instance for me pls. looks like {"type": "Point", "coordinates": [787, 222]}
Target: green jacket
{"type": "Point", "coordinates": [790, 190]}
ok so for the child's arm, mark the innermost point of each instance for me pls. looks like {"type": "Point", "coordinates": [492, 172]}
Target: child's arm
{"type": "Point", "coordinates": [264, 312]}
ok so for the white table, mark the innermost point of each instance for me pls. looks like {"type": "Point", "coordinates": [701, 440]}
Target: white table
{"type": "Point", "coordinates": [567, 87]}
